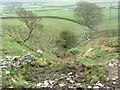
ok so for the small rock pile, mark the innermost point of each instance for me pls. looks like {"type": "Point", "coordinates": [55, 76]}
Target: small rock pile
{"type": "Point", "coordinates": [16, 61]}
{"type": "Point", "coordinates": [112, 80]}
{"type": "Point", "coordinates": [63, 81]}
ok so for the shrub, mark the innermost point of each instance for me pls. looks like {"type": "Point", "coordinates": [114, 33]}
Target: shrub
{"type": "Point", "coordinates": [67, 40]}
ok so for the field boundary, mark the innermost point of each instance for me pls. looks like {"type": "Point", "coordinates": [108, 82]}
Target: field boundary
{"type": "Point", "coordinates": [54, 17]}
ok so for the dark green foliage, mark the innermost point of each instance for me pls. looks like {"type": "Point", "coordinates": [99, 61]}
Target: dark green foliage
{"type": "Point", "coordinates": [67, 40]}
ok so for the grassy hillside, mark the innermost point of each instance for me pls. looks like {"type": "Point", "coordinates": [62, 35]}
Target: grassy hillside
{"type": "Point", "coordinates": [52, 27]}
{"type": "Point", "coordinates": [39, 62]}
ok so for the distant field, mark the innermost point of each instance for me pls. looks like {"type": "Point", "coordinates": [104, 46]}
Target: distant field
{"type": "Point", "coordinates": [61, 13]}
{"type": "Point", "coordinates": [69, 13]}
{"type": "Point", "coordinates": [63, 9]}
{"type": "Point", "coordinates": [106, 4]}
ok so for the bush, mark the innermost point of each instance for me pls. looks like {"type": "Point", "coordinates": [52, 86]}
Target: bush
{"type": "Point", "coordinates": [67, 40]}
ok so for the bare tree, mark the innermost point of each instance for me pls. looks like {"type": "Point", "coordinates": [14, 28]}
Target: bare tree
{"type": "Point", "coordinates": [88, 14]}
{"type": "Point", "coordinates": [30, 20]}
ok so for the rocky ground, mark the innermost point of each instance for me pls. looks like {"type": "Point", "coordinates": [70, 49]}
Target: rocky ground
{"type": "Point", "coordinates": [72, 77]}
{"type": "Point", "coordinates": [112, 67]}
